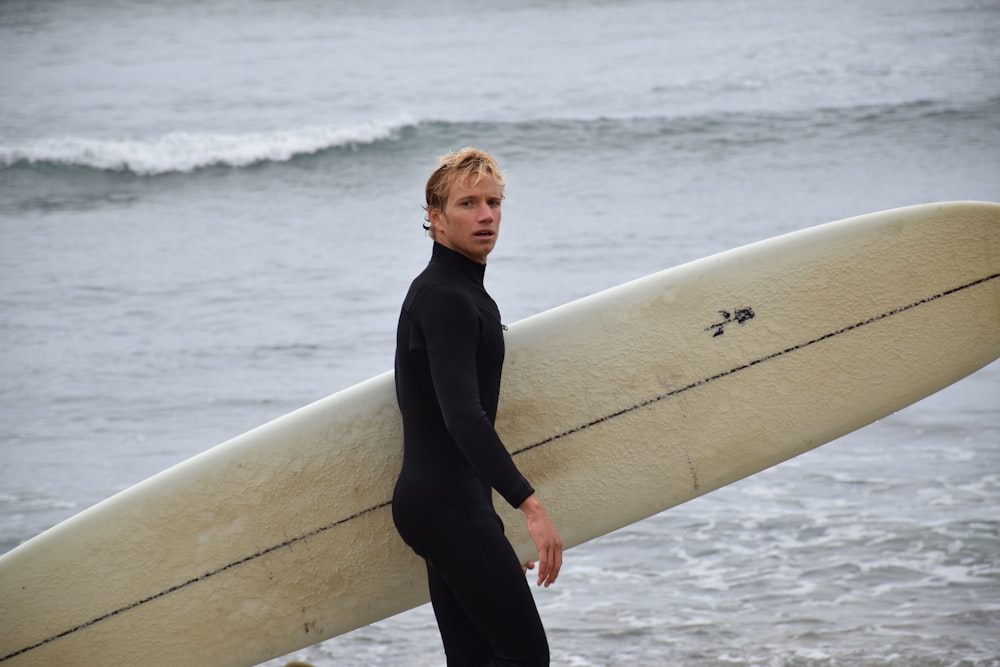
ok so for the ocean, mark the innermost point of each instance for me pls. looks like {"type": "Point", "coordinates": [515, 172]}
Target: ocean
{"type": "Point", "coordinates": [210, 212]}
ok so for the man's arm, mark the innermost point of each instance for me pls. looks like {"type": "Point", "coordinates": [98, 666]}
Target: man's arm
{"type": "Point", "coordinates": [450, 323]}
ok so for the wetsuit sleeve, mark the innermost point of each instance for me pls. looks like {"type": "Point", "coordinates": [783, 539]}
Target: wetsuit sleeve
{"type": "Point", "coordinates": [450, 323]}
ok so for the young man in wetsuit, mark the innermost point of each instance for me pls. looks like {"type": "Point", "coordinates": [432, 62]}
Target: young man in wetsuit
{"type": "Point", "coordinates": [449, 355]}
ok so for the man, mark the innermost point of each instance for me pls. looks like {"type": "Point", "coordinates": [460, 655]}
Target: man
{"type": "Point", "coordinates": [449, 356]}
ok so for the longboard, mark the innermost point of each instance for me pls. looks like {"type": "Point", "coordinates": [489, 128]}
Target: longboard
{"type": "Point", "coordinates": [616, 407]}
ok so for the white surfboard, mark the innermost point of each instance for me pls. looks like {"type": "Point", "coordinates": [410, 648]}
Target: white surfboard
{"type": "Point", "coordinates": [615, 407]}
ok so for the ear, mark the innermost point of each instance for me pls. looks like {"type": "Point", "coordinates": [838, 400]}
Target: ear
{"type": "Point", "coordinates": [436, 218]}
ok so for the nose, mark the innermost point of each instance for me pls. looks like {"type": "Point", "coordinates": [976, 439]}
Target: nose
{"type": "Point", "coordinates": [485, 212]}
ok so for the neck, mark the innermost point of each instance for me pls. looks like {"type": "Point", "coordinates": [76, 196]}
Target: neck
{"type": "Point", "coordinates": [469, 267]}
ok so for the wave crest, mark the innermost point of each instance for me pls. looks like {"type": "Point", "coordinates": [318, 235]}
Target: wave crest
{"type": "Point", "coordinates": [180, 152]}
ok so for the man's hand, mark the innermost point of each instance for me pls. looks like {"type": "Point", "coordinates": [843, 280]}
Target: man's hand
{"type": "Point", "coordinates": [543, 533]}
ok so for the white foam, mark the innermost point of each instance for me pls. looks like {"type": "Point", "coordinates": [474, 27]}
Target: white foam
{"type": "Point", "coordinates": [188, 151]}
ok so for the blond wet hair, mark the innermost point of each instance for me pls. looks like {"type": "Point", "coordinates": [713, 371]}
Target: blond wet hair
{"type": "Point", "coordinates": [468, 163]}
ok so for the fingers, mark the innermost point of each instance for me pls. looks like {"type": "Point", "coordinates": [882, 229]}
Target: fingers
{"type": "Point", "coordinates": [530, 565]}
{"type": "Point", "coordinates": [549, 564]}
{"type": "Point", "coordinates": [547, 541]}
{"type": "Point", "coordinates": [550, 557]}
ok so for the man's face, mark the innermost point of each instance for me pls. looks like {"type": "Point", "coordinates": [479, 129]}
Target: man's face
{"type": "Point", "coordinates": [470, 220]}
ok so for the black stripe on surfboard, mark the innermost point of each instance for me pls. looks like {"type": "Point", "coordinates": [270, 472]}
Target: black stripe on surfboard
{"type": "Point", "coordinates": [195, 580]}
{"type": "Point", "coordinates": [540, 443]}
{"type": "Point", "coordinates": [755, 362]}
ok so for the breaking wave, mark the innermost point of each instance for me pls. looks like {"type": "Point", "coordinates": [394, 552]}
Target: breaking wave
{"type": "Point", "coordinates": [181, 152]}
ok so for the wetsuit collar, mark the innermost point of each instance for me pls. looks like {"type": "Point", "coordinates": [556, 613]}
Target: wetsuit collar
{"type": "Point", "coordinates": [472, 270]}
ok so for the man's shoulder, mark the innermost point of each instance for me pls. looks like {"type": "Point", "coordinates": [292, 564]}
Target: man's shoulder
{"type": "Point", "coordinates": [435, 287]}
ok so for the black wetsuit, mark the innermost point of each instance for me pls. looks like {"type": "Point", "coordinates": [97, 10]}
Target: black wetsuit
{"type": "Point", "coordinates": [449, 357]}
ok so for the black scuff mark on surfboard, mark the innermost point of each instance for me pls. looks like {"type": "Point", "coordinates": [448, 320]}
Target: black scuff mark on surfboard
{"type": "Point", "coordinates": [738, 316]}
{"type": "Point", "coordinates": [546, 441]}
{"type": "Point", "coordinates": [694, 472]}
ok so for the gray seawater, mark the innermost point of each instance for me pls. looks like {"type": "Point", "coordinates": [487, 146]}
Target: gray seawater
{"type": "Point", "coordinates": [210, 211]}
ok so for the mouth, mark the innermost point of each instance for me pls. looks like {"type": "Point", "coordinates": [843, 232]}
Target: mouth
{"type": "Point", "coordinates": [484, 234]}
